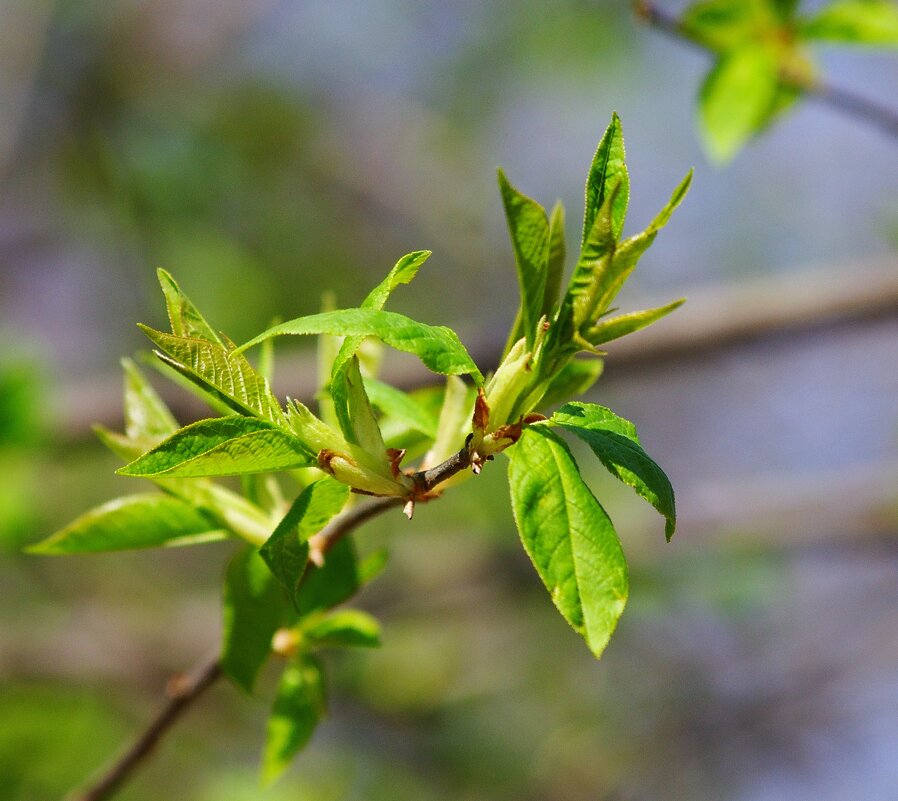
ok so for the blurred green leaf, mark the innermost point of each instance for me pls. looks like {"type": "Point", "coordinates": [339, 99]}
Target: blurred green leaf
{"type": "Point", "coordinates": [286, 552]}
{"type": "Point", "coordinates": [331, 584]}
{"type": "Point", "coordinates": [860, 22]}
{"type": "Point", "coordinates": [528, 227]}
{"type": "Point", "coordinates": [402, 406]}
{"type": "Point", "coordinates": [737, 99]}
{"type": "Point", "coordinates": [133, 521]}
{"type": "Point", "coordinates": [557, 253]}
{"type": "Point", "coordinates": [223, 446]}
{"type": "Point", "coordinates": [615, 442]}
{"type": "Point", "coordinates": [298, 707]}
{"type": "Point", "coordinates": [254, 608]}
{"type": "Point", "coordinates": [348, 627]}
{"type": "Point", "coordinates": [353, 408]}
{"type": "Point", "coordinates": [568, 536]}
{"type": "Point", "coordinates": [438, 347]}
{"type": "Point", "coordinates": [146, 415]}
{"type": "Point", "coordinates": [724, 24]}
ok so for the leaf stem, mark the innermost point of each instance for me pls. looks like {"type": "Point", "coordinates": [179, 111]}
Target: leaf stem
{"type": "Point", "coordinates": [842, 100]}
{"type": "Point", "coordinates": [185, 689]}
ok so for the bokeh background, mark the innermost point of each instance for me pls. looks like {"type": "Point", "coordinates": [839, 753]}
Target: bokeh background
{"type": "Point", "coordinates": [267, 151]}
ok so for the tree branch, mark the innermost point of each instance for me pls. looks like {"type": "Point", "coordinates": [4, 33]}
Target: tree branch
{"type": "Point", "coordinates": [185, 689]}
{"type": "Point", "coordinates": [842, 100]}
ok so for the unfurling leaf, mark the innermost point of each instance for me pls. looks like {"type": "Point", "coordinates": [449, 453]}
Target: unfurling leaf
{"type": "Point", "coordinates": [616, 327]}
{"type": "Point", "coordinates": [146, 415]}
{"type": "Point", "coordinates": [185, 318]}
{"type": "Point", "coordinates": [568, 536]}
{"type": "Point", "coordinates": [615, 442]}
{"type": "Point", "coordinates": [609, 169]}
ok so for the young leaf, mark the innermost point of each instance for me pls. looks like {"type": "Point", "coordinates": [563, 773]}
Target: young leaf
{"type": "Point", "coordinates": [353, 409]}
{"type": "Point", "coordinates": [134, 521]}
{"type": "Point", "coordinates": [348, 627]}
{"type": "Point", "coordinates": [860, 22]}
{"type": "Point", "coordinates": [623, 324]}
{"type": "Point", "coordinates": [402, 273]}
{"type": "Point", "coordinates": [724, 24]}
{"type": "Point", "coordinates": [528, 226]}
{"type": "Point", "coordinates": [438, 347]}
{"type": "Point", "coordinates": [254, 609]}
{"type": "Point", "coordinates": [299, 706]}
{"type": "Point", "coordinates": [555, 268]}
{"type": "Point", "coordinates": [609, 168]}
{"type": "Point", "coordinates": [615, 442]}
{"type": "Point", "coordinates": [220, 369]}
{"type": "Point", "coordinates": [185, 318]}
{"type": "Point", "coordinates": [146, 415]}
{"type": "Point", "coordinates": [223, 446]}
{"type": "Point", "coordinates": [737, 99]}
{"type": "Point", "coordinates": [568, 536]}
{"type": "Point", "coordinates": [455, 419]}
{"type": "Point", "coordinates": [286, 552]}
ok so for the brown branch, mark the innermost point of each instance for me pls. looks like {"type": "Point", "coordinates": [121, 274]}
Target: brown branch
{"type": "Point", "coordinates": [842, 100]}
{"type": "Point", "coordinates": [185, 689]}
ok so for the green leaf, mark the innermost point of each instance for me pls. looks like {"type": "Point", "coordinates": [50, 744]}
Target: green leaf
{"type": "Point", "coordinates": [348, 627]}
{"type": "Point", "coordinates": [577, 376]}
{"type": "Point", "coordinates": [555, 269]}
{"type": "Point", "coordinates": [402, 273]}
{"type": "Point", "coordinates": [609, 168]}
{"type": "Point", "coordinates": [615, 442]}
{"type": "Point", "coordinates": [353, 409]}
{"type": "Point", "coordinates": [724, 24]}
{"type": "Point", "coordinates": [737, 99]}
{"type": "Point", "coordinates": [254, 609]}
{"type": "Point", "coordinates": [454, 422]}
{"type": "Point", "coordinates": [567, 536]}
{"type": "Point", "coordinates": [223, 446]}
{"type": "Point", "coordinates": [438, 347]}
{"type": "Point", "coordinates": [300, 704]}
{"type": "Point", "coordinates": [402, 406]}
{"type": "Point", "coordinates": [146, 415]}
{"type": "Point", "coordinates": [860, 22]}
{"type": "Point", "coordinates": [185, 318]}
{"type": "Point", "coordinates": [220, 369]}
{"type": "Point", "coordinates": [134, 521]}
{"type": "Point", "coordinates": [327, 586]}
{"type": "Point", "coordinates": [528, 226]}
{"type": "Point", "coordinates": [286, 552]}
{"type": "Point", "coordinates": [616, 327]}
{"type": "Point", "coordinates": [630, 251]}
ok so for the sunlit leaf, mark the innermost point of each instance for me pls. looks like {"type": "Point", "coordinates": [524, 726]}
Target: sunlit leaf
{"type": "Point", "coordinates": [146, 415]}
{"type": "Point", "coordinates": [615, 442]}
{"type": "Point", "coordinates": [609, 169]}
{"type": "Point", "coordinates": [223, 446]}
{"type": "Point", "coordinates": [185, 318]}
{"type": "Point", "coordinates": [616, 327]}
{"type": "Point", "coordinates": [568, 536]}
{"type": "Point", "coordinates": [438, 347]}
{"type": "Point", "coordinates": [528, 227]}
{"type": "Point", "coordinates": [347, 627]}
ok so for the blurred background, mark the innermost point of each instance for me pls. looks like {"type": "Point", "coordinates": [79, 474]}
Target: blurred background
{"type": "Point", "coordinates": [267, 151]}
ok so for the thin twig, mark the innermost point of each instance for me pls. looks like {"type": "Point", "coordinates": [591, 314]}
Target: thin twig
{"type": "Point", "coordinates": [185, 689]}
{"type": "Point", "coordinates": [842, 100]}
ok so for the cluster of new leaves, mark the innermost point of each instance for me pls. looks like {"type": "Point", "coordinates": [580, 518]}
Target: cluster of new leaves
{"type": "Point", "coordinates": [763, 62]}
{"type": "Point", "coordinates": [302, 471]}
